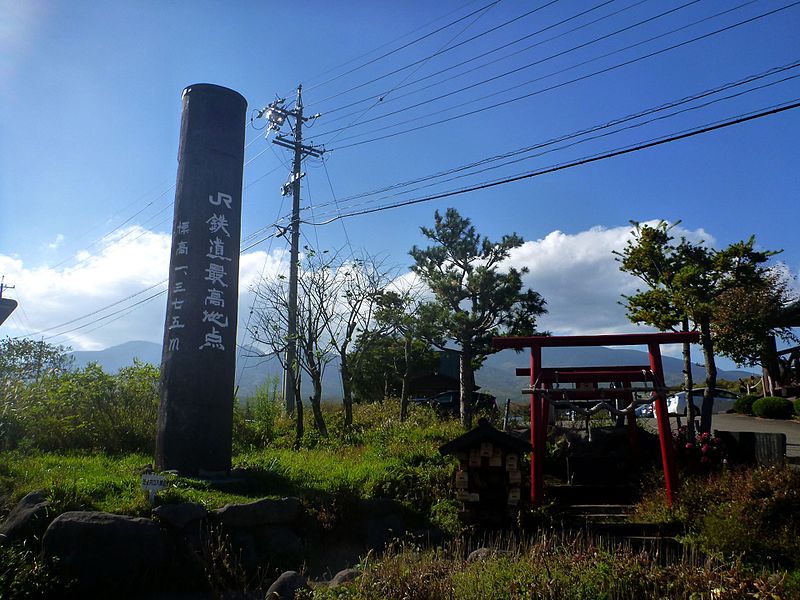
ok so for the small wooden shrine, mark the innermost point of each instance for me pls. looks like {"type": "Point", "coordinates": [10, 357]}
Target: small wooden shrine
{"type": "Point", "coordinates": [492, 479]}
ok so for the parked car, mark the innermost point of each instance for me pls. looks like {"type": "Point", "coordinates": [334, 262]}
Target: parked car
{"type": "Point", "coordinates": [645, 410]}
{"type": "Point", "coordinates": [448, 402]}
{"type": "Point", "coordinates": [723, 401]}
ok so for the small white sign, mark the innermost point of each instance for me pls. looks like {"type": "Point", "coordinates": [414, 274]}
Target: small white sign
{"type": "Point", "coordinates": [153, 482]}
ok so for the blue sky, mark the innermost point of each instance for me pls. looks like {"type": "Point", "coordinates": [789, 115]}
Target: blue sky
{"type": "Point", "coordinates": [90, 93]}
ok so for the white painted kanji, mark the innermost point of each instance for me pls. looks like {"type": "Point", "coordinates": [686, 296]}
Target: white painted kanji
{"type": "Point", "coordinates": [214, 298]}
{"type": "Point", "coordinates": [213, 340]}
{"type": "Point", "coordinates": [218, 223]}
{"type": "Point", "coordinates": [216, 318]}
{"type": "Point", "coordinates": [216, 249]}
{"type": "Point", "coordinates": [215, 273]}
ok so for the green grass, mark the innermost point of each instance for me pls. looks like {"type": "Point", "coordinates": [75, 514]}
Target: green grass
{"type": "Point", "coordinates": [553, 567]}
{"type": "Point", "coordinates": [380, 457]}
{"type": "Point", "coordinates": [376, 457]}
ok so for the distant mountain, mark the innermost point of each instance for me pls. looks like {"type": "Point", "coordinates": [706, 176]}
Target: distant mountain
{"type": "Point", "coordinates": [251, 370]}
{"type": "Point", "coordinates": [496, 376]}
{"type": "Point", "coordinates": [114, 358]}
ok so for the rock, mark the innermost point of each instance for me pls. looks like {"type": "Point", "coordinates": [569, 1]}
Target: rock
{"type": "Point", "coordinates": [344, 576]}
{"type": "Point", "coordinates": [243, 545]}
{"type": "Point", "coordinates": [380, 506]}
{"type": "Point", "coordinates": [28, 519]}
{"type": "Point", "coordinates": [101, 551]}
{"type": "Point", "coordinates": [278, 542]}
{"type": "Point", "coordinates": [261, 512]}
{"type": "Point", "coordinates": [179, 515]}
{"type": "Point", "coordinates": [286, 585]}
{"type": "Point", "coordinates": [479, 554]}
{"type": "Point", "coordinates": [380, 521]}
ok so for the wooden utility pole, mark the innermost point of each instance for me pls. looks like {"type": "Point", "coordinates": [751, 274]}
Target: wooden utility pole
{"type": "Point", "coordinates": [277, 115]}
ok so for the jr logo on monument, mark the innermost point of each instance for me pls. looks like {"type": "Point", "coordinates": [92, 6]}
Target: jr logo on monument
{"type": "Point", "coordinates": [198, 362]}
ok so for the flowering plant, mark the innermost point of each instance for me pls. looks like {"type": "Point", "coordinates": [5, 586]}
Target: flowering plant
{"type": "Point", "coordinates": [703, 454]}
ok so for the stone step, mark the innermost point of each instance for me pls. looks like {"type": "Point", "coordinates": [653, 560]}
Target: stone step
{"type": "Point", "coordinates": [633, 529]}
{"type": "Point", "coordinates": [602, 509]}
{"type": "Point", "coordinates": [571, 495]}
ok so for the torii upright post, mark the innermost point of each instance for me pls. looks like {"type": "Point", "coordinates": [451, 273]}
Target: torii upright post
{"type": "Point", "coordinates": [662, 415]}
{"type": "Point", "coordinates": [538, 429]}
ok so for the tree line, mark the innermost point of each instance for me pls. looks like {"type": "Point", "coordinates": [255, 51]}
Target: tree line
{"type": "Point", "coordinates": [383, 328]}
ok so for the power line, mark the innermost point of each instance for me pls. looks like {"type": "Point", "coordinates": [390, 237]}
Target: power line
{"type": "Point", "coordinates": [591, 138]}
{"type": "Point", "coordinates": [327, 112]}
{"type": "Point", "coordinates": [99, 310]}
{"type": "Point", "coordinates": [111, 314]}
{"type": "Point", "coordinates": [686, 99]}
{"type": "Point", "coordinates": [419, 66]}
{"type": "Point", "coordinates": [538, 62]}
{"type": "Point", "coordinates": [252, 305]}
{"type": "Point", "coordinates": [403, 47]}
{"type": "Point", "coordinates": [389, 43]}
{"type": "Point", "coordinates": [338, 211]}
{"type": "Point", "coordinates": [583, 161]}
{"type": "Point", "coordinates": [443, 50]}
{"type": "Point", "coordinates": [565, 83]}
{"type": "Point", "coordinates": [118, 302]}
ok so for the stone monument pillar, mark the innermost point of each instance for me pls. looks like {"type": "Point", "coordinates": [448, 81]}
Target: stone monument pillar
{"type": "Point", "coordinates": [198, 363]}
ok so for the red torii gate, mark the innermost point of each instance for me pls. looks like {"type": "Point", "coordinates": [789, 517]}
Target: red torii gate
{"type": "Point", "coordinates": [542, 378]}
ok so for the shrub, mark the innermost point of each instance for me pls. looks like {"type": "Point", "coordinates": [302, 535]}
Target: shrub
{"type": "Point", "coordinates": [751, 514]}
{"type": "Point", "coordinates": [773, 407]}
{"type": "Point", "coordinates": [23, 574]}
{"type": "Point", "coordinates": [744, 405]}
{"type": "Point", "coordinates": [85, 409]}
{"type": "Point", "coordinates": [703, 454]}
{"type": "Point", "coordinates": [797, 406]}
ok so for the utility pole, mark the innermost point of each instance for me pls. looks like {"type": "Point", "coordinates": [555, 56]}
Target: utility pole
{"type": "Point", "coordinates": [7, 305]}
{"type": "Point", "coordinates": [3, 286]}
{"type": "Point", "coordinates": [277, 115]}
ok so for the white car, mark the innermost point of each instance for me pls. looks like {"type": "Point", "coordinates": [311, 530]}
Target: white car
{"type": "Point", "coordinates": [723, 401]}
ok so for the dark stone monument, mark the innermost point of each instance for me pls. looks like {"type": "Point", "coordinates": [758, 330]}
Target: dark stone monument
{"type": "Point", "coordinates": [199, 357]}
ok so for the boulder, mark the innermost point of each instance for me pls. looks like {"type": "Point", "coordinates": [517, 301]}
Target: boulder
{"type": "Point", "coordinates": [178, 516]}
{"type": "Point", "coordinates": [285, 586]}
{"type": "Point", "coordinates": [344, 576]}
{"type": "Point", "coordinates": [28, 519]}
{"type": "Point", "coordinates": [380, 521]}
{"type": "Point", "coordinates": [278, 542]}
{"type": "Point", "coordinates": [243, 547]}
{"type": "Point", "coordinates": [261, 512]}
{"type": "Point", "coordinates": [479, 555]}
{"type": "Point", "coordinates": [101, 551]}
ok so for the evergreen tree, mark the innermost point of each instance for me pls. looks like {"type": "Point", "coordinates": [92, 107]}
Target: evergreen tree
{"type": "Point", "coordinates": [474, 299]}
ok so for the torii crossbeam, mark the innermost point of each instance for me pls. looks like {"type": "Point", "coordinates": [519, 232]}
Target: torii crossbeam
{"type": "Point", "coordinates": [542, 378]}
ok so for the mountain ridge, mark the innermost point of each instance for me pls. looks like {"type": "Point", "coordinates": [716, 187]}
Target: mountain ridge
{"type": "Point", "coordinates": [496, 376]}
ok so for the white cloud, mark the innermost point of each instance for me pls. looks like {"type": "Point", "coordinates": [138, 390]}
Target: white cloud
{"type": "Point", "coordinates": [578, 276]}
{"type": "Point", "coordinates": [575, 273]}
{"type": "Point", "coordinates": [56, 243]}
{"type": "Point", "coordinates": [128, 262]}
